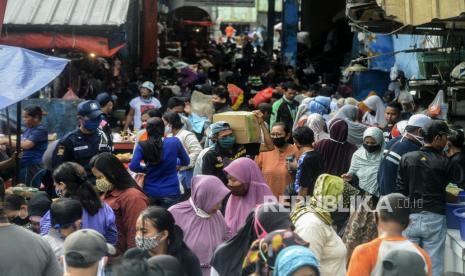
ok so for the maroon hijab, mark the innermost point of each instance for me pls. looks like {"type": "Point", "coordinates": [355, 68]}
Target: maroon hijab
{"type": "Point", "coordinates": [336, 151]}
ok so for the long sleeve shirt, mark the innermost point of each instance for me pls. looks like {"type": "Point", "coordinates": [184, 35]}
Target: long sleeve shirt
{"type": "Point", "coordinates": [102, 222]}
{"type": "Point", "coordinates": [161, 179]}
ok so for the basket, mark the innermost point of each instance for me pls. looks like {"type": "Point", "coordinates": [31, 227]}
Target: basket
{"type": "Point", "coordinates": [460, 215]}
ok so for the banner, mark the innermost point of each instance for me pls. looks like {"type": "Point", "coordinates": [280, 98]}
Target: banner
{"type": "Point", "coordinates": [24, 72]}
{"type": "Point", "coordinates": [235, 3]}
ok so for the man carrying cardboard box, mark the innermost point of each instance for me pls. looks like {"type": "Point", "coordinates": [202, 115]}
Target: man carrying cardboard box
{"type": "Point", "coordinates": [226, 149]}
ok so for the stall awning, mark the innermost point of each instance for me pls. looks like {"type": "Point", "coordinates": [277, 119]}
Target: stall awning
{"type": "Point", "coordinates": [90, 44]}
{"type": "Point", "coordinates": [66, 13]}
{"type": "Point", "coordinates": [24, 72]}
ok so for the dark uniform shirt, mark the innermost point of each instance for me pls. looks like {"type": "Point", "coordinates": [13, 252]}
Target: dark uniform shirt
{"type": "Point", "coordinates": [80, 148]}
{"type": "Point", "coordinates": [216, 159]}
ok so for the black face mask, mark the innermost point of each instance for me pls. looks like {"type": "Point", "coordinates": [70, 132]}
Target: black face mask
{"type": "Point", "coordinates": [279, 142]}
{"type": "Point", "coordinates": [372, 148]}
{"type": "Point", "coordinates": [218, 106]}
{"type": "Point", "coordinates": [19, 221]}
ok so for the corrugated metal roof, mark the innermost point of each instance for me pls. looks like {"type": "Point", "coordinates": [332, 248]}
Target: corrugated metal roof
{"type": "Point", "coordinates": [66, 12]}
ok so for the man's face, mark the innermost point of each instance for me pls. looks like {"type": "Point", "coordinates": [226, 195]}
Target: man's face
{"type": "Point", "coordinates": [391, 115]}
{"type": "Point", "coordinates": [108, 108]}
{"type": "Point", "coordinates": [178, 109]}
{"type": "Point", "coordinates": [290, 94]}
{"type": "Point", "coordinates": [144, 92]}
{"type": "Point", "coordinates": [29, 121]}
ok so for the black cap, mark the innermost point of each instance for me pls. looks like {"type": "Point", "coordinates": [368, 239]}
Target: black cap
{"type": "Point", "coordinates": [39, 204]}
{"type": "Point", "coordinates": [65, 211]}
{"type": "Point", "coordinates": [403, 263]}
{"type": "Point", "coordinates": [435, 128]}
{"type": "Point", "coordinates": [103, 98]}
{"type": "Point", "coordinates": [90, 109]}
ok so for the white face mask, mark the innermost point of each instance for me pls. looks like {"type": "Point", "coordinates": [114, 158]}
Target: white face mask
{"type": "Point", "coordinates": [418, 138]}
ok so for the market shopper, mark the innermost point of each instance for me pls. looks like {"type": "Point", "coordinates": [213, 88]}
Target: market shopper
{"type": "Point", "coordinates": [455, 151]}
{"type": "Point", "coordinates": [363, 174]}
{"type": "Point", "coordinates": [138, 105]}
{"type": "Point", "coordinates": [66, 218]}
{"type": "Point", "coordinates": [225, 149]}
{"type": "Point", "coordinates": [160, 155]}
{"type": "Point", "coordinates": [273, 163]}
{"type": "Point", "coordinates": [107, 103]}
{"type": "Point", "coordinates": [392, 116]}
{"type": "Point", "coordinates": [313, 222]}
{"type": "Point", "coordinates": [374, 109]}
{"type": "Point", "coordinates": [71, 182]}
{"type": "Point", "coordinates": [349, 113]}
{"type": "Point", "coordinates": [310, 163]}
{"type": "Point", "coordinates": [175, 128]}
{"type": "Point", "coordinates": [157, 234]}
{"type": "Point", "coordinates": [229, 257]}
{"type": "Point", "coordinates": [391, 219]}
{"type": "Point", "coordinates": [221, 100]}
{"type": "Point", "coordinates": [25, 253]}
{"type": "Point", "coordinates": [200, 218]}
{"type": "Point", "coordinates": [412, 140]}
{"type": "Point", "coordinates": [177, 105]}
{"type": "Point", "coordinates": [34, 142]}
{"type": "Point", "coordinates": [285, 109]}
{"type": "Point", "coordinates": [82, 144]}
{"type": "Point", "coordinates": [423, 177]}
{"type": "Point", "coordinates": [297, 260]}
{"type": "Point", "coordinates": [317, 124]}
{"type": "Point", "coordinates": [121, 192]}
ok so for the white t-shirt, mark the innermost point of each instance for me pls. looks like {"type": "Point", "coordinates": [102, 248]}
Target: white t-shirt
{"type": "Point", "coordinates": [140, 105]}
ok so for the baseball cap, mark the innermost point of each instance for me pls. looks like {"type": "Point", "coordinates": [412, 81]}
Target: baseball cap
{"type": "Point", "coordinates": [419, 120]}
{"type": "Point", "coordinates": [86, 247]}
{"type": "Point", "coordinates": [149, 85]}
{"type": "Point", "coordinates": [403, 263]}
{"type": "Point", "coordinates": [65, 211]}
{"type": "Point", "coordinates": [90, 109]}
{"type": "Point", "coordinates": [39, 204]}
{"type": "Point", "coordinates": [103, 98]}
{"type": "Point", "coordinates": [436, 127]}
{"type": "Point", "coordinates": [217, 127]}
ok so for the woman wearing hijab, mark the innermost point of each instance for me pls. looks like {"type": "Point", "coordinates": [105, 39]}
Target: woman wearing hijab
{"type": "Point", "coordinates": [336, 151]}
{"type": "Point", "coordinates": [320, 105]}
{"type": "Point", "coordinates": [374, 111]}
{"type": "Point", "coordinates": [318, 125]}
{"type": "Point", "coordinates": [363, 173]}
{"type": "Point", "coordinates": [313, 222]}
{"type": "Point", "coordinates": [201, 221]}
{"type": "Point", "coordinates": [261, 258]}
{"type": "Point", "coordinates": [229, 256]}
{"type": "Point", "coordinates": [297, 260]}
{"type": "Point", "coordinates": [248, 189]}
{"type": "Point", "coordinates": [349, 114]}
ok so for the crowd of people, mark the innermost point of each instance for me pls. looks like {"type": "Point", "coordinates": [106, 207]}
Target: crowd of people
{"type": "Point", "coordinates": [193, 201]}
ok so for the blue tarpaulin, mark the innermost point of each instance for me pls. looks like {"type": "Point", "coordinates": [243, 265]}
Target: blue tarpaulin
{"type": "Point", "coordinates": [24, 72]}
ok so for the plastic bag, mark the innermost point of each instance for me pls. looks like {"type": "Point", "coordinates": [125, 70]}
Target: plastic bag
{"type": "Point", "coordinates": [263, 96]}
{"type": "Point", "coordinates": [70, 95]}
{"type": "Point", "coordinates": [438, 108]}
{"type": "Point", "coordinates": [237, 96]}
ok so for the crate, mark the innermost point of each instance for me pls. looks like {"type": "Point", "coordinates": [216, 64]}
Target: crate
{"type": "Point", "coordinates": [438, 63]}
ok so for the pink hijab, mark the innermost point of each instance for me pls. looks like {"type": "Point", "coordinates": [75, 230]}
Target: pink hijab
{"type": "Point", "coordinates": [203, 234]}
{"type": "Point", "coordinates": [247, 172]}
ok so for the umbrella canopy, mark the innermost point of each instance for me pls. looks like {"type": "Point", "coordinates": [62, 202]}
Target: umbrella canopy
{"type": "Point", "coordinates": [24, 72]}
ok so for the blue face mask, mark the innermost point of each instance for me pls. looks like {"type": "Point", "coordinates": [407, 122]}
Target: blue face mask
{"type": "Point", "coordinates": [227, 142]}
{"type": "Point", "coordinates": [92, 125]}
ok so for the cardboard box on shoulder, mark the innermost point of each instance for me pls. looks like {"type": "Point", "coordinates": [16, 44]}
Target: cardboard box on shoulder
{"type": "Point", "coordinates": [244, 125]}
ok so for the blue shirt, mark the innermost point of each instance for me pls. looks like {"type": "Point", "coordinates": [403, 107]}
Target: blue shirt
{"type": "Point", "coordinates": [39, 136]}
{"type": "Point", "coordinates": [387, 173]}
{"type": "Point", "coordinates": [162, 179]}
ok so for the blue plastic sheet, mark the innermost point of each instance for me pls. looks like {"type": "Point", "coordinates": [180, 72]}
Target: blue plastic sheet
{"type": "Point", "coordinates": [382, 45]}
{"type": "Point", "coordinates": [24, 72]}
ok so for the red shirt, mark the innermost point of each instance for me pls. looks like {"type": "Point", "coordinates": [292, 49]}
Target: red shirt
{"type": "Point", "coordinates": [127, 206]}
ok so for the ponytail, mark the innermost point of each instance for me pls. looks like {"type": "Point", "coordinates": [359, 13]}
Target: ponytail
{"type": "Point", "coordinates": [153, 147]}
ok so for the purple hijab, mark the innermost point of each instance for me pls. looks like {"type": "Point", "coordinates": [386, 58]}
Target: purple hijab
{"type": "Point", "coordinates": [201, 233]}
{"type": "Point", "coordinates": [247, 172]}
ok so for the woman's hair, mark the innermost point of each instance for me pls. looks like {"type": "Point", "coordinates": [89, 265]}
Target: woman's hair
{"type": "Point", "coordinates": [153, 147]}
{"type": "Point", "coordinates": [34, 111]}
{"type": "Point", "coordinates": [162, 220]}
{"type": "Point", "coordinates": [78, 186]}
{"type": "Point", "coordinates": [222, 93]}
{"type": "Point", "coordinates": [173, 119]}
{"type": "Point", "coordinates": [113, 170]}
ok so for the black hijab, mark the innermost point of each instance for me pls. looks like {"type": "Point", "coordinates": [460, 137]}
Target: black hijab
{"type": "Point", "coordinates": [229, 256]}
